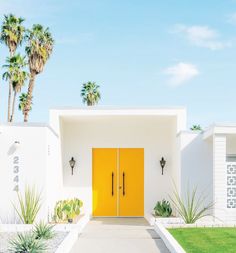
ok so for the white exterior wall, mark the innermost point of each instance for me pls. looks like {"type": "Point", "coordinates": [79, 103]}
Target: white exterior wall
{"type": "Point", "coordinates": [38, 166]}
{"type": "Point", "coordinates": [157, 135]}
{"type": "Point", "coordinates": [196, 164]}
{"type": "Point", "coordinates": [219, 176]}
{"type": "Point", "coordinates": [231, 144]}
{"type": "Point", "coordinates": [54, 171]}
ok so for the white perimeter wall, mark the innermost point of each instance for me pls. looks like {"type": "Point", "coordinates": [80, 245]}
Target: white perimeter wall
{"type": "Point", "coordinates": [196, 164]}
{"type": "Point", "coordinates": [39, 165]}
{"type": "Point", "coordinates": [157, 135]}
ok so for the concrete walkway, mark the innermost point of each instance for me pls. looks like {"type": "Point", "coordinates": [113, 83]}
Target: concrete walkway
{"type": "Point", "coordinates": [119, 235]}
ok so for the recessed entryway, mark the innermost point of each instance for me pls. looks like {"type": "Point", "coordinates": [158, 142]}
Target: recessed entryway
{"type": "Point", "coordinates": [118, 182]}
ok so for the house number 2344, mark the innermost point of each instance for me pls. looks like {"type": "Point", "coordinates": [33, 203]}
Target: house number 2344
{"type": "Point", "coordinates": [16, 170]}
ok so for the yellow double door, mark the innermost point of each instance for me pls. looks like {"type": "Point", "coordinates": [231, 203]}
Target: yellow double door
{"type": "Point", "coordinates": [118, 182]}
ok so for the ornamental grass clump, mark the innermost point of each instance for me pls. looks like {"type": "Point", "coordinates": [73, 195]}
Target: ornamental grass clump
{"type": "Point", "coordinates": [26, 243]}
{"type": "Point", "coordinates": [28, 205]}
{"type": "Point", "coordinates": [192, 207]}
{"type": "Point", "coordinates": [43, 231]}
{"type": "Point", "coordinates": [163, 208]}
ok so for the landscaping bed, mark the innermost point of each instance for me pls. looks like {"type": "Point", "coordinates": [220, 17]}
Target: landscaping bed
{"type": "Point", "coordinates": [206, 240]}
{"type": "Point", "coordinates": [52, 244]}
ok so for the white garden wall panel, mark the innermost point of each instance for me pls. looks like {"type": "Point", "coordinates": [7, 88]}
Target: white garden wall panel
{"type": "Point", "coordinates": [37, 160]}
{"type": "Point", "coordinates": [196, 164]}
{"type": "Point", "coordinates": [219, 176]}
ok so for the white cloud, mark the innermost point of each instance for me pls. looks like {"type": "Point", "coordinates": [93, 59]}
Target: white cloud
{"type": "Point", "coordinates": [181, 73]}
{"type": "Point", "coordinates": [202, 36]}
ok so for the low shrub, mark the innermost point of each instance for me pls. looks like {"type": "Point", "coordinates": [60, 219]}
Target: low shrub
{"type": "Point", "coordinates": [163, 208]}
{"type": "Point", "coordinates": [26, 243]}
{"type": "Point", "coordinates": [43, 231]}
{"type": "Point", "coordinates": [67, 210]}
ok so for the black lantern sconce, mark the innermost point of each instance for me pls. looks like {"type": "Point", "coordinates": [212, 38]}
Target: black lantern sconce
{"type": "Point", "coordinates": [163, 164]}
{"type": "Point", "coordinates": [72, 164]}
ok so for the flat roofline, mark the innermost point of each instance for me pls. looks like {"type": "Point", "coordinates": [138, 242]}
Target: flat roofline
{"type": "Point", "coordinates": [29, 124]}
{"type": "Point", "coordinates": [25, 124]}
{"type": "Point", "coordinates": [107, 108]}
{"type": "Point", "coordinates": [108, 111]}
{"type": "Point", "coordinates": [194, 132]}
{"type": "Point", "coordinates": [219, 128]}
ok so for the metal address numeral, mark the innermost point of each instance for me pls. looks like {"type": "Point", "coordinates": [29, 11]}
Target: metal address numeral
{"type": "Point", "coordinates": [16, 170]}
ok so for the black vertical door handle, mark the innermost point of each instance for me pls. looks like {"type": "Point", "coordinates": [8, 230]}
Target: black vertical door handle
{"type": "Point", "coordinates": [123, 184]}
{"type": "Point", "coordinates": [112, 184]}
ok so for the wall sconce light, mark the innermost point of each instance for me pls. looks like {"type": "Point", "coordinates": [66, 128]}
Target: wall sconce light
{"type": "Point", "coordinates": [17, 144]}
{"type": "Point", "coordinates": [72, 164]}
{"type": "Point", "coordinates": [163, 164]}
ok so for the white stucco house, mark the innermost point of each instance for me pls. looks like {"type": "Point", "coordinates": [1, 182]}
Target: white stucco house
{"type": "Point", "coordinates": [117, 153]}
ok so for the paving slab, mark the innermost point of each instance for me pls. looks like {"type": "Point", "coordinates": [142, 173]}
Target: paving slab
{"type": "Point", "coordinates": [119, 235]}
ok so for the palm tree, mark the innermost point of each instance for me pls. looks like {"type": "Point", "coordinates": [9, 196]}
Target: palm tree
{"type": "Point", "coordinates": [90, 93]}
{"type": "Point", "coordinates": [39, 49]}
{"type": "Point", "coordinates": [22, 102]}
{"type": "Point", "coordinates": [17, 76]}
{"type": "Point", "coordinates": [196, 128]}
{"type": "Point", "coordinates": [12, 35]}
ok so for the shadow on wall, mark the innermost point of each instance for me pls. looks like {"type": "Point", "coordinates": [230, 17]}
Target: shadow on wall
{"type": "Point", "coordinates": [197, 167]}
{"type": "Point", "coordinates": [13, 148]}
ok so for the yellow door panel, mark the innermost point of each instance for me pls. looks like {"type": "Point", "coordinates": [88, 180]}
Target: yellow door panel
{"type": "Point", "coordinates": [104, 182]}
{"type": "Point", "coordinates": [131, 181]}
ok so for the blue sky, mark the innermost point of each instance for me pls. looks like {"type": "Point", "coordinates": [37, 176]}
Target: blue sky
{"type": "Point", "coordinates": [141, 53]}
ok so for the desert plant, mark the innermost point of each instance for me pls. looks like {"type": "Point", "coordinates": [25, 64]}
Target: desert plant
{"type": "Point", "coordinates": [29, 205]}
{"type": "Point", "coordinates": [43, 231]}
{"type": "Point", "coordinates": [26, 243]}
{"type": "Point", "coordinates": [67, 210]}
{"type": "Point", "coordinates": [163, 208]}
{"type": "Point", "coordinates": [191, 207]}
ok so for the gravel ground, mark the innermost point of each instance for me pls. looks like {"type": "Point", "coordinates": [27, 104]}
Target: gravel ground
{"type": "Point", "coordinates": [52, 244]}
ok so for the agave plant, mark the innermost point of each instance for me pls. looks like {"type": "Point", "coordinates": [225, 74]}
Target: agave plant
{"type": "Point", "coordinates": [163, 208]}
{"type": "Point", "coordinates": [26, 243]}
{"type": "Point", "coordinates": [191, 207]}
{"type": "Point", "coordinates": [43, 231]}
{"type": "Point", "coordinates": [29, 205]}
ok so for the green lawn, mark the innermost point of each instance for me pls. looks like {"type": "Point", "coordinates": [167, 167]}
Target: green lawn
{"type": "Point", "coordinates": [206, 240]}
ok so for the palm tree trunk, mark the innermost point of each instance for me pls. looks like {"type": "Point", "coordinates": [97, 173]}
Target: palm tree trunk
{"type": "Point", "coordinates": [9, 102]}
{"type": "Point", "coordinates": [13, 107]}
{"type": "Point", "coordinates": [29, 96]}
{"type": "Point", "coordinates": [9, 93]}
